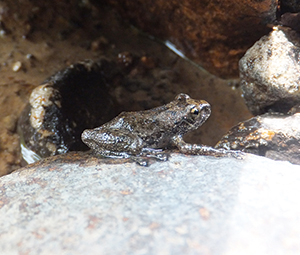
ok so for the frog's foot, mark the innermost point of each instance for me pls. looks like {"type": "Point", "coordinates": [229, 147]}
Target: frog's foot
{"type": "Point", "coordinates": [146, 161]}
{"type": "Point", "coordinates": [142, 161]}
{"type": "Point", "coordinates": [229, 153]}
{"type": "Point", "coordinates": [154, 153]}
{"type": "Point", "coordinates": [198, 149]}
{"type": "Point", "coordinates": [145, 157]}
{"type": "Point", "coordinates": [110, 154]}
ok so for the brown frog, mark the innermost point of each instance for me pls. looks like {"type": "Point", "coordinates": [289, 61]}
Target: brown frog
{"type": "Point", "coordinates": [147, 133]}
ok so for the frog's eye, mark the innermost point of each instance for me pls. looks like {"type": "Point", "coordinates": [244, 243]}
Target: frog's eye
{"type": "Point", "coordinates": [195, 111]}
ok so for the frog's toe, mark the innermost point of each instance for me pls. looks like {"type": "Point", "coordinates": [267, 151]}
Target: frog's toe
{"type": "Point", "coordinates": [162, 156]}
{"type": "Point", "coordinates": [157, 154]}
{"type": "Point", "coordinates": [237, 154]}
{"type": "Point", "coordinates": [140, 161]}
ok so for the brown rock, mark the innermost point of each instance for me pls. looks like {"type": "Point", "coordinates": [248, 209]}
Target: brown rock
{"type": "Point", "coordinates": [274, 136]}
{"type": "Point", "coordinates": [290, 5]}
{"type": "Point", "coordinates": [215, 34]}
{"type": "Point", "coordinates": [291, 20]}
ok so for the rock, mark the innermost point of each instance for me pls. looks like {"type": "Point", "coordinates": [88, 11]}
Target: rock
{"type": "Point", "coordinates": [291, 20]}
{"type": "Point", "coordinates": [274, 136]}
{"type": "Point", "coordinates": [188, 205]}
{"type": "Point", "coordinates": [214, 34]}
{"type": "Point", "coordinates": [290, 5]}
{"type": "Point", "coordinates": [269, 72]}
{"type": "Point", "coordinates": [63, 106]}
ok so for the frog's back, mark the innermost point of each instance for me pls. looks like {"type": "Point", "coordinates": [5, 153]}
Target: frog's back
{"type": "Point", "coordinates": [136, 122]}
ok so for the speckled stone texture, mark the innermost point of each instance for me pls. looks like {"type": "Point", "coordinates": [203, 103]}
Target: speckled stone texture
{"type": "Point", "coordinates": [188, 205]}
{"type": "Point", "coordinates": [275, 136]}
{"type": "Point", "coordinates": [269, 72]}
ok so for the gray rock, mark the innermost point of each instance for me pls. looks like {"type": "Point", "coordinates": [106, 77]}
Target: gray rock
{"type": "Point", "coordinates": [188, 205]}
{"type": "Point", "coordinates": [269, 72]}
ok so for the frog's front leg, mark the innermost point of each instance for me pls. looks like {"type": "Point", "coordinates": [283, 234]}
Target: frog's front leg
{"type": "Point", "coordinates": [198, 149]}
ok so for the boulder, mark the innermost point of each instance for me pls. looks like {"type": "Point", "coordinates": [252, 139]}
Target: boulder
{"type": "Point", "coordinates": [75, 204]}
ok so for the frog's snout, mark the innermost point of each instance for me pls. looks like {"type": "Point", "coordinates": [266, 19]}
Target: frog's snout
{"type": "Point", "coordinates": [89, 138]}
{"type": "Point", "coordinates": [86, 136]}
{"type": "Point", "coordinates": [205, 109]}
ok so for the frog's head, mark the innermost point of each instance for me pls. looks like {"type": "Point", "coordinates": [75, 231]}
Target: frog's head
{"type": "Point", "coordinates": [196, 112]}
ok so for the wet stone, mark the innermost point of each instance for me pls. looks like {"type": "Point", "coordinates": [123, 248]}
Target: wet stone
{"type": "Point", "coordinates": [214, 34]}
{"type": "Point", "coordinates": [291, 20]}
{"type": "Point", "coordinates": [269, 72]}
{"type": "Point", "coordinates": [63, 106]}
{"type": "Point", "coordinates": [290, 5]}
{"type": "Point", "coordinates": [273, 135]}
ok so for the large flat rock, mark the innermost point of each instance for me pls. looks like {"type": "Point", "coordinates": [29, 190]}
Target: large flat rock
{"type": "Point", "coordinates": [188, 205]}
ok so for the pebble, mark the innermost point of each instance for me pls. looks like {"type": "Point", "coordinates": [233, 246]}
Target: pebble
{"type": "Point", "coordinates": [17, 66]}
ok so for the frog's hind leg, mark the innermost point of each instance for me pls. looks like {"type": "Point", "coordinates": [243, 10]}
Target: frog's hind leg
{"type": "Point", "coordinates": [142, 161]}
{"type": "Point", "coordinates": [145, 156]}
{"type": "Point", "coordinates": [112, 154]}
{"type": "Point", "coordinates": [112, 143]}
{"type": "Point", "coordinates": [154, 153]}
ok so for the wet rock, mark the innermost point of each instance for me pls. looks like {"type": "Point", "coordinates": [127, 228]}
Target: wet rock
{"type": "Point", "coordinates": [290, 5]}
{"type": "Point", "coordinates": [188, 205]}
{"type": "Point", "coordinates": [269, 72]}
{"type": "Point", "coordinates": [64, 105]}
{"type": "Point", "coordinates": [275, 136]}
{"type": "Point", "coordinates": [24, 18]}
{"type": "Point", "coordinates": [215, 34]}
{"type": "Point", "coordinates": [291, 20]}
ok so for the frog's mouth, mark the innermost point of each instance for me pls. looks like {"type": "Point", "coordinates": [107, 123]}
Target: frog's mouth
{"type": "Point", "coordinates": [190, 124]}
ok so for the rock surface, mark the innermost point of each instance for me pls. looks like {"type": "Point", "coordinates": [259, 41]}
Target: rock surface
{"type": "Point", "coordinates": [64, 105]}
{"type": "Point", "coordinates": [275, 136]}
{"type": "Point", "coordinates": [214, 34]}
{"type": "Point", "coordinates": [290, 5]}
{"type": "Point", "coordinates": [269, 72]}
{"type": "Point", "coordinates": [290, 20]}
{"type": "Point", "coordinates": [188, 205]}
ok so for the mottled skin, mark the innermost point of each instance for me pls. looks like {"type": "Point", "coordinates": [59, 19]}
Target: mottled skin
{"type": "Point", "coordinates": [147, 133]}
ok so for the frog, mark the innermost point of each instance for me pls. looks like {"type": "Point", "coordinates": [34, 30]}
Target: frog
{"type": "Point", "coordinates": [149, 133]}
